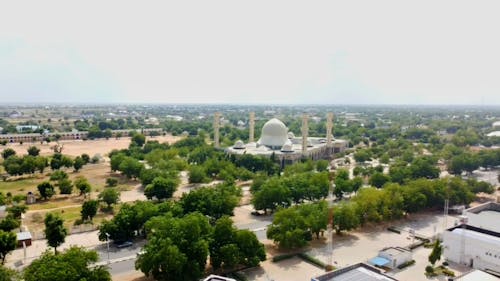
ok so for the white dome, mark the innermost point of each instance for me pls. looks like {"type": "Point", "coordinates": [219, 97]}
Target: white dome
{"type": "Point", "coordinates": [274, 133]}
{"type": "Point", "coordinates": [239, 145]}
{"type": "Point", "coordinates": [287, 147]}
{"type": "Point", "coordinates": [291, 135]}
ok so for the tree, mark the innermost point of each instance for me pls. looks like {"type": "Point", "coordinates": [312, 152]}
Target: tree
{"type": "Point", "coordinates": [289, 229]}
{"type": "Point", "coordinates": [65, 186]}
{"type": "Point", "coordinates": [109, 196]}
{"type": "Point", "coordinates": [17, 210]}
{"type": "Point", "coordinates": [78, 163]}
{"type": "Point", "coordinates": [86, 158]}
{"type": "Point", "coordinates": [9, 223]}
{"type": "Point", "coordinates": [436, 252]}
{"type": "Point", "coordinates": [214, 202]}
{"type": "Point", "coordinates": [66, 161]}
{"type": "Point", "coordinates": [379, 179]}
{"type": "Point", "coordinates": [89, 209]}
{"type": "Point", "coordinates": [55, 232]}
{"type": "Point", "coordinates": [33, 151]}
{"type": "Point", "coordinates": [8, 242]}
{"type": "Point", "coordinates": [83, 185]}
{"type": "Point", "coordinates": [161, 188]}
{"type": "Point", "coordinates": [46, 190]}
{"type": "Point", "coordinates": [321, 165]}
{"type": "Point", "coordinates": [7, 274]}
{"type": "Point", "coordinates": [344, 217]}
{"type": "Point", "coordinates": [58, 175]}
{"type": "Point", "coordinates": [271, 195]}
{"type": "Point", "coordinates": [8, 152]}
{"type": "Point", "coordinates": [131, 167]}
{"type": "Point", "coordinates": [197, 174]}
{"type": "Point", "coordinates": [138, 140]}
{"type": "Point", "coordinates": [41, 163]}
{"type": "Point", "coordinates": [74, 264]}
{"type": "Point", "coordinates": [177, 248]}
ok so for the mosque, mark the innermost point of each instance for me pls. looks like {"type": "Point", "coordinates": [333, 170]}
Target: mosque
{"type": "Point", "coordinates": [285, 146]}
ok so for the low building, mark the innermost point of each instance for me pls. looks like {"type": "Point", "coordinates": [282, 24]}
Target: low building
{"type": "Point", "coordinates": [218, 278]}
{"type": "Point", "coordinates": [360, 271]}
{"type": "Point", "coordinates": [3, 211]}
{"type": "Point", "coordinates": [30, 198]}
{"type": "Point", "coordinates": [472, 246]}
{"type": "Point", "coordinates": [392, 257]}
{"type": "Point", "coordinates": [24, 237]}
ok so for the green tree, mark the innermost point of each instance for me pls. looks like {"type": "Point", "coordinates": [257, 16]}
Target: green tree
{"type": "Point", "coordinates": [8, 152]}
{"type": "Point", "coordinates": [214, 202]}
{"type": "Point", "coordinates": [345, 217]}
{"type": "Point", "coordinates": [436, 252]}
{"type": "Point", "coordinates": [109, 196]}
{"type": "Point", "coordinates": [65, 186]}
{"type": "Point", "coordinates": [17, 210]}
{"type": "Point", "coordinates": [177, 248]}
{"type": "Point", "coordinates": [131, 167]}
{"type": "Point", "coordinates": [89, 209]}
{"type": "Point", "coordinates": [289, 229]}
{"type": "Point", "coordinates": [83, 185]}
{"type": "Point", "coordinates": [78, 163]}
{"type": "Point", "coordinates": [197, 174]}
{"type": "Point", "coordinates": [41, 163]}
{"type": "Point", "coordinates": [58, 175]}
{"type": "Point", "coordinates": [55, 232]}
{"type": "Point", "coordinates": [74, 264]}
{"type": "Point", "coordinates": [8, 242]}
{"type": "Point", "coordinates": [111, 182]}
{"type": "Point", "coordinates": [7, 274]}
{"type": "Point", "coordinates": [33, 151]}
{"type": "Point", "coordinates": [85, 158]}
{"type": "Point", "coordinates": [379, 179]}
{"type": "Point", "coordinates": [46, 190]}
{"type": "Point", "coordinates": [271, 195]}
{"type": "Point", "coordinates": [9, 223]}
{"type": "Point", "coordinates": [161, 188]}
{"type": "Point", "coordinates": [138, 140]}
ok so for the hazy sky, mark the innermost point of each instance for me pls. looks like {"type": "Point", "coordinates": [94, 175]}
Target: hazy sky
{"type": "Point", "coordinates": [329, 52]}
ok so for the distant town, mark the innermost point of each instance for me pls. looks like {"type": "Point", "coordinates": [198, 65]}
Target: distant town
{"type": "Point", "coordinates": [241, 192]}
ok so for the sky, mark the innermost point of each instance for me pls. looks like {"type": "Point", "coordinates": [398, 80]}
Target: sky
{"type": "Point", "coordinates": [257, 52]}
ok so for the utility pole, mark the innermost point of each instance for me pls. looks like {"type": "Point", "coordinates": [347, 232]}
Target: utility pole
{"type": "Point", "coordinates": [216, 129]}
{"type": "Point", "coordinates": [251, 127]}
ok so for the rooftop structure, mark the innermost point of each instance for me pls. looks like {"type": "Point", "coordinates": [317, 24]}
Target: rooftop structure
{"type": "Point", "coordinates": [358, 272]}
{"type": "Point", "coordinates": [218, 278]}
{"type": "Point", "coordinates": [486, 216]}
{"type": "Point", "coordinates": [476, 275]}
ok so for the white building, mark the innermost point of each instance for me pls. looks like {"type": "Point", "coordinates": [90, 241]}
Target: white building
{"type": "Point", "coordinates": [476, 242]}
{"type": "Point", "coordinates": [476, 275]}
{"type": "Point", "coordinates": [360, 271]}
{"type": "Point", "coordinates": [275, 140]}
{"type": "Point", "coordinates": [394, 256]}
{"type": "Point", "coordinates": [218, 278]}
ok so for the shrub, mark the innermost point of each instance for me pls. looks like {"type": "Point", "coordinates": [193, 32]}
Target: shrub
{"type": "Point", "coordinates": [448, 272]}
{"type": "Point", "coordinates": [312, 260]}
{"type": "Point", "coordinates": [394, 229]}
{"type": "Point", "coordinates": [406, 264]}
{"type": "Point", "coordinates": [429, 269]}
{"type": "Point", "coordinates": [111, 182]}
{"type": "Point", "coordinates": [283, 257]}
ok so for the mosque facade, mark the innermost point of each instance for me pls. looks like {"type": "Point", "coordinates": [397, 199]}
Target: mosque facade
{"type": "Point", "coordinates": [276, 141]}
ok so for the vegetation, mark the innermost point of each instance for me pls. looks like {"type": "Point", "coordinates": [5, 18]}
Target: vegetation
{"type": "Point", "coordinates": [55, 233]}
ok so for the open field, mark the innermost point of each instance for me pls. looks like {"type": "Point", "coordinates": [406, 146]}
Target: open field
{"type": "Point", "coordinates": [77, 147]}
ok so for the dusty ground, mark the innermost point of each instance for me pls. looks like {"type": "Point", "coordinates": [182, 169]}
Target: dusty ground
{"type": "Point", "coordinates": [77, 147]}
{"type": "Point", "coordinates": [290, 270]}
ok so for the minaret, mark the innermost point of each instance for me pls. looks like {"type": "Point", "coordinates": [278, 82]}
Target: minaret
{"type": "Point", "coordinates": [305, 131]}
{"type": "Point", "coordinates": [216, 129]}
{"type": "Point", "coordinates": [251, 128]}
{"type": "Point", "coordinates": [329, 128]}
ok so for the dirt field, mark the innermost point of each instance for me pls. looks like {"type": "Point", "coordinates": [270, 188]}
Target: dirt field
{"type": "Point", "coordinates": [77, 147]}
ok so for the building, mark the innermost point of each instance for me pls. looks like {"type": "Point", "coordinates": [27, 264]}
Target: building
{"type": "Point", "coordinates": [24, 237]}
{"type": "Point", "coordinates": [472, 246]}
{"type": "Point", "coordinates": [277, 142]}
{"type": "Point", "coordinates": [476, 275]}
{"type": "Point", "coordinates": [218, 278]}
{"type": "Point", "coordinates": [3, 211]}
{"type": "Point", "coordinates": [360, 271]}
{"type": "Point", "coordinates": [485, 216]}
{"type": "Point", "coordinates": [392, 257]}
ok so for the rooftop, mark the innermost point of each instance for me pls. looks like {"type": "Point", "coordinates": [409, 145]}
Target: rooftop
{"type": "Point", "coordinates": [358, 272]}
{"type": "Point", "coordinates": [476, 275]}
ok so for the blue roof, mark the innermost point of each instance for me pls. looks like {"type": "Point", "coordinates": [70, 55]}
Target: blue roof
{"type": "Point", "coordinates": [379, 261]}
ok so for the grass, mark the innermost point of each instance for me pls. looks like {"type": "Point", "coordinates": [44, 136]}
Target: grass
{"type": "Point", "coordinates": [20, 186]}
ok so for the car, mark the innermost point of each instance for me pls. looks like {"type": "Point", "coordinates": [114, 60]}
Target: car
{"type": "Point", "coordinates": [124, 244]}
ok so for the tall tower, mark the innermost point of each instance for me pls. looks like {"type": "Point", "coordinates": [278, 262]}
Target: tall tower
{"type": "Point", "coordinates": [251, 128]}
{"type": "Point", "coordinates": [329, 128]}
{"type": "Point", "coordinates": [216, 129]}
{"type": "Point", "coordinates": [305, 131]}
